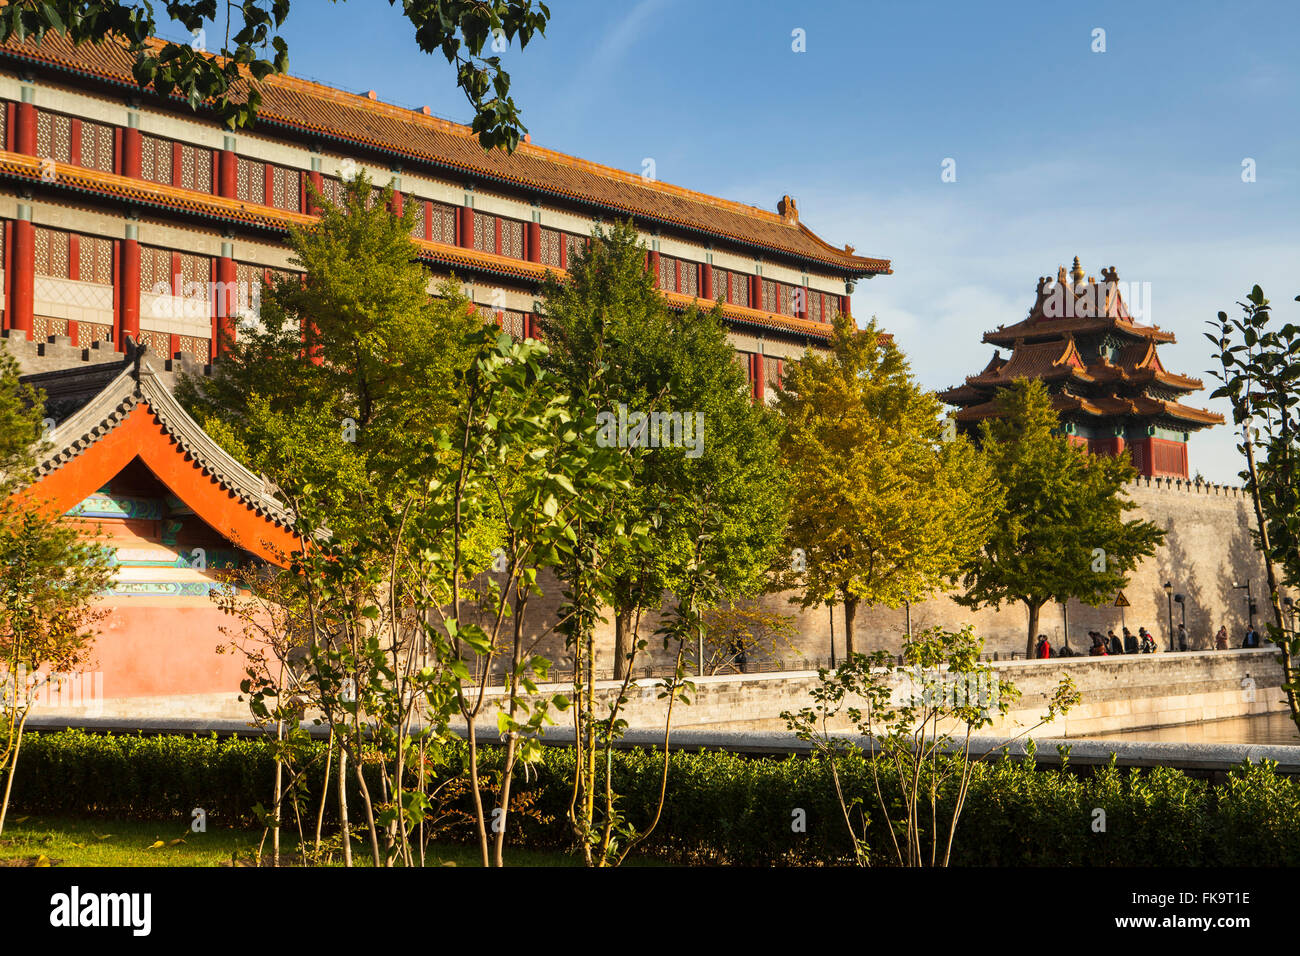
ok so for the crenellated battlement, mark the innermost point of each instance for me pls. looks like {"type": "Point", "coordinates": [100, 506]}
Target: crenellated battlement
{"type": "Point", "coordinates": [1184, 486]}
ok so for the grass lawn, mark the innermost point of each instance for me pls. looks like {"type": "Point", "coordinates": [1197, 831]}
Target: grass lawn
{"type": "Point", "coordinates": [64, 841]}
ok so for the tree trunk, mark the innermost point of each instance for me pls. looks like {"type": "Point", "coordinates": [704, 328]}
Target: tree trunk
{"type": "Point", "coordinates": [1034, 611]}
{"type": "Point", "coordinates": [343, 805]}
{"type": "Point", "coordinates": [1274, 596]}
{"type": "Point", "coordinates": [850, 612]}
{"type": "Point", "coordinates": [622, 641]}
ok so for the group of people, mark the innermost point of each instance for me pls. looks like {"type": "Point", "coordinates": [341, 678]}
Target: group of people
{"type": "Point", "coordinates": [1250, 639]}
{"type": "Point", "coordinates": [1108, 644]}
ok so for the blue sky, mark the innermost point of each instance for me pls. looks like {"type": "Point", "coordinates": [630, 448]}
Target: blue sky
{"type": "Point", "coordinates": [1131, 157]}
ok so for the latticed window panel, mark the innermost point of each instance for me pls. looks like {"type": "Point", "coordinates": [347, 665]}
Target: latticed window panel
{"type": "Point", "coordinates": [43, 326]}
{"type": "Point", "coordinates": [739, 289]}
{"type": "Point", "coordinates": [667, 273]}
{"type": "Point", "coordinates": [575, 246]}
{"type": "Point", "coordinates": [97, 146]}
{"type": "Point", "coordinates": [193, 345]}
{"type": "Point", "coordinates": [196, 273]}
{"type": "Point", "coordinates": [332, 190]}
{"type": "Point", "coordinates": [95, 260]}
{"type": "Point", "coordinates": [832, 307]}
{"type": "Point", "coordinates": [156, 271]}
{"type": "Point", "coordinates": [688, 278]}
{"type": "Point", "coordinates": [159, 342]}
{"type": "Point", "coordinates": [815, 306]}
{"type": "Point", "coordinates": [512, 238]}
{"type": "Point", "coordinates": [250, 181]}
{"type": "Point", "coordinates": [421, 218]}
{"type": "Point", "coordinates": [785, 299]}
{"type": "Point", "coordinates": [156, 158]}
{"type": "Point", "coordinates": [770, 295]}
{"type": "Point", "coordinates": [88, 332]}
{"type": "Point", "coordinates": [443, 226]}
{"type": "Point", "coordinates": [550, 251]}
{"type": "Point", "coordinates": [196, 168]}
{"type": "Point", "coordinates": [285, 190]}
{"type": "Point", "coordinates": [485, 232]}
{"type": "Point", "coordinates": [720, 284]}
{"type": "Point", "coordinates": [54, 136]}
{"type": "Point", "coordinates": [771, 371]}
{"type": "Point", "coordinates": [513, 322]}
{"type": "Point", "coordinates": [51, 253]}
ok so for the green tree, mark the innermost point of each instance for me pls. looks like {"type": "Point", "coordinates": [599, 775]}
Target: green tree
{"type": "Point", "coordinates": [50, 573]}
{"type": "Point", "coordinates": [1060, 532]}
{"type": "Point", "coordinates": [888, 504]}
{"type": "Point", "coordinates": [612, 336]}
{"type": "Point", "coordinates": [1259, 365]}
{"type": "Point", "coordinates": [457, 29]}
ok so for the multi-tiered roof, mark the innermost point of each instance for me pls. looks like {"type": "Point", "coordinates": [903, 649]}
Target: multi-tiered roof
{"type": "Point", "coordinates": [1101, 366]}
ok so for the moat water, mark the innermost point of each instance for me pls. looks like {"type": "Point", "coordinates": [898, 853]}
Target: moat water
{"type": "Point", "coordinates": [1275, 728]}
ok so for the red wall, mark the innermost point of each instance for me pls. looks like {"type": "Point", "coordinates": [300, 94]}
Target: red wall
{"type": "Point", "coordinates": [151, 650]}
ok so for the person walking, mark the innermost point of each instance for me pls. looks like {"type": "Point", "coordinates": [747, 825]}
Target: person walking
{"type": "Point", "coordinates": [1116, 646]}
{"type": "Point", "coordinates": [1182, 637]}
{"type": "Point", "coordinates": [1252, 637]}
{"type": "Point", "coordinates": [1098, 648]}
{"type": "Point", "coordinates": [1043, 649]}
{"type": "Point", "coordinates": [1131, 643]}
{"type": "Point", "coordinates": [1148, 642]}
{"type": "Point", "coordinates": [1221, 639]}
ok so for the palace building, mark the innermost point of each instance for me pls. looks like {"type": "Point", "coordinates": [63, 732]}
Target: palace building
{"type": "Point", "coordinates": [137, 234]}
{"type": "Point", "coordinates": [129, 214]}
{"type": "Point", "coordinates": [1107, 382]}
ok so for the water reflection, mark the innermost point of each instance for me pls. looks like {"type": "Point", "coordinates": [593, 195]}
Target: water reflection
{"type": "Point", "coordinates": [1275, 728]}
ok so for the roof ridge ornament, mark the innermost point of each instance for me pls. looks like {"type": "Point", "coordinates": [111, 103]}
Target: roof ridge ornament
{"type": "Point", "coordinates": [1077, 272]}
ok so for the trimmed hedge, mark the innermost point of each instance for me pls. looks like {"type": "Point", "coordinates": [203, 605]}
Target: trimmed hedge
{"type": "Point", "coordinates": [723, 807]}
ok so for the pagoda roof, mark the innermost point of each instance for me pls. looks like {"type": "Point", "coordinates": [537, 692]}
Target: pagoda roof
{"type": "Point", "coordinates": [1056, 359]}
{"type": "Point", "coordinates": [348, 120]}
{"type": "Point", "coordinates": [1107, 406]}
{"type": "Point", "coordinates": [1070, 305]}
{"type": "Point", "coordinates": [110, 414]}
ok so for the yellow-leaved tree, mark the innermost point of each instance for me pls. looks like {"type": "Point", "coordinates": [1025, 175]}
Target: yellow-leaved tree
{"type": "Point", "coordinates": [889, 501]}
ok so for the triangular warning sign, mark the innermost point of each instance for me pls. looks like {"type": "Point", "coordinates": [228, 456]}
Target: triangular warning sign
{"type": "Point", "coordinates": [1121, 600]}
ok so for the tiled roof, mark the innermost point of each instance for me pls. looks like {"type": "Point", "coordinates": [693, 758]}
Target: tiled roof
{"type": "Point", "coordinates": [94, 402]}
{"type": "Point", "coordinates": [344, 118]}
{"type": "Point", "coordinates": [80, 181]}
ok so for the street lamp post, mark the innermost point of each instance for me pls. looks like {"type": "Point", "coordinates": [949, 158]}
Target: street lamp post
{"type": "Point", "coordinates": [1169, 593]}
{"type": "Point", "coordinates": [1250, 602]}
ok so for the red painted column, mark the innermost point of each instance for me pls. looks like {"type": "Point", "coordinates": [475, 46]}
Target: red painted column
{"type": "Point", "coordinates": [845, 305]}
{"type": "Point", "coordinates": [128, 317]}
{"type": "Point", "coordinates": [22, 296]}
{"type": "Point", "coordinates": [318, 182]}
{"type": "Point", "coordinates": [706, 282]}
{"type": "Point", "coordinates": [227, 304]}
{"type": "Point", "coordinates": [533, 242]}
{"type": "Point", "coordinates": [9, 272]}
{"type": "Point", "coordinates": [654, 266]}
{"type": "Point", "coordinates": [178, 163]}
{"type": "Point", "coordinates": [131, 147]}
{"type": "Point", "coordinates": [465, 227]}
{"type": "Point", "coordinates": [25, 125]}
{"type": "Point", "coordinates": [756, 292]}
{"type": "Point", "coordinates": [227, 169]}
{"type": "Point", "coordinates": [74, 143]}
